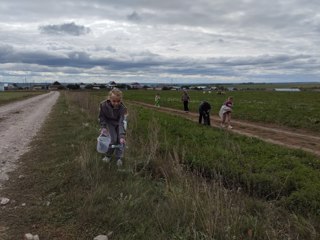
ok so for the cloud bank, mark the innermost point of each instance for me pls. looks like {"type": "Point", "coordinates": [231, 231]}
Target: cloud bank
{"type": "Point", "coordinates": [66, 28]}
{"type": "Point", "coordinates": [160, 41]}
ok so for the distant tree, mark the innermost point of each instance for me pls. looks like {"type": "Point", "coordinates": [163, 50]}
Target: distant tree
{"type": "Point", "coordinates": [123, 86]}
{"type": "Point", "coordinates": [166, 88]}
{"type": "Point", "coordinates": [185, 87]}
{"type": "Point", "coordinates": [102, 86]}
{"type": "Point", "coordinates": [88, 86]}
{"type": "Point", "coordinates": [73, 86]}
{"type": "Point", "coordinates": [222, 88]}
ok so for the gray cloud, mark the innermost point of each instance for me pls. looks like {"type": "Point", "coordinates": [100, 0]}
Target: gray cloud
{"type": "Point", "coordinates": [154, 63]}
{"type": "Point", "coordinates": [66, 28]}
{"type": "Point", "coordinates": [134, 16]}
{"type": "Point", "coordinates": [5, 51]}
{"type": "Point", "coordinates": [111, 49]}
{"type": "Point", "coordinates": [148, 39]}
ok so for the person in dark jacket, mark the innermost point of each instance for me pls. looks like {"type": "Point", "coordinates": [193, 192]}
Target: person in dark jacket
{"type": "Point", "coordinates": [185, 99]}
{"type": "Point", "coordinates": [112, 121]}
{"type": "Point", "coordinates": [204, 113]}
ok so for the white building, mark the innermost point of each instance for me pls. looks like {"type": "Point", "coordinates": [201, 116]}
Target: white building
{"type": "Point", "coordinates": [1, 87]}
{"type": "Point", "coordinates": [111, 84]}
{"type": "Point", "coordinates": [136, 85]}
{"type": "Point", "coordinates": [287, 89]}
{"type": "Point", "coordinates": [82, 86]}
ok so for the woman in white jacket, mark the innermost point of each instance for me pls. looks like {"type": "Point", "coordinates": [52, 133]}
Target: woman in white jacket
{"type": "Point", "coordinates": [225, 112]}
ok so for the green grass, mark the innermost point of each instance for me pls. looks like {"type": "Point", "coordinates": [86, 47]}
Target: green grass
{"type": "Point", "coordinates": [302, 86]}
{"type": "Point", "coordinates": [295, 109]}
{"type": "Point", "coordinates": [159, 195]}
{"type": "Point", "coordinates": [262, 169]}
{"type": "Point", "coordinates": [7, 97]}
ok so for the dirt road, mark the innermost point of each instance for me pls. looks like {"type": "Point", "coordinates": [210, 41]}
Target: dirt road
{"type": "Point", "coordinates": [19, 123]}
{"type": "Point", "coordinates": [291, 138]}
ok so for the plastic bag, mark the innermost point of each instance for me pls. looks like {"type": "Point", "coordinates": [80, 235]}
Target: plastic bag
{"type": "Point", "coordinates": [103, 143]}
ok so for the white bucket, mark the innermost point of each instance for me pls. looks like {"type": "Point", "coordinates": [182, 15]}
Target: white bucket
{"type": "Point", "coordinates": [103, 143]}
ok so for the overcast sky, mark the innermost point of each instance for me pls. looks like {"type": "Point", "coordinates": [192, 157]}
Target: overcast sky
{"type": "Point", "coordinates": [173, 41]}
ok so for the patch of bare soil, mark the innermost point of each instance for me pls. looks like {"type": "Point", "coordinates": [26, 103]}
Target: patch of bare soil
{"type": "Point", "coordinates": [19, 123]}
{"type": "Point", "coordinates": [291, 138]}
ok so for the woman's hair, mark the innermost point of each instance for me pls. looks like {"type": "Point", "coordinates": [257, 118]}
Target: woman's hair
{"type": "Point", "coordinates": [115, 92]}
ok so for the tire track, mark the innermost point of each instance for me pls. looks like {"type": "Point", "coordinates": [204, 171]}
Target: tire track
{"type": "Point", "coordinates": [291, 138]}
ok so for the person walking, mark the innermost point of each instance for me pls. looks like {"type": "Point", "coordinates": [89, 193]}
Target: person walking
{"type": "Point", "coordinates": [185, 99]}
{"type": "Point", "coordinates": [225, 112]}
{"type": "Point", "coordinates": [204, 113]}
{"type": "Point", "coordinates": [112, 121]}
{"type": "Point", "coordinates": [157, 100]}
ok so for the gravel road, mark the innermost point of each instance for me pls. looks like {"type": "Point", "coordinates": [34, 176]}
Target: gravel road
{"type": "Point", "coordinates": [19, 123]}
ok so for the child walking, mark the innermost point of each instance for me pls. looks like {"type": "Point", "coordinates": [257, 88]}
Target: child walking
{"type": "Point", "coordinates": [225, 112]}
{"type": "Point", "coordinates": [112, 121]}
{"type": "Point", "coordinates": [157, 100]}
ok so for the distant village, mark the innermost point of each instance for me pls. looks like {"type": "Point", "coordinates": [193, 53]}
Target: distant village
{"type": "Point", "coordinates": [219, 88]}
{"type": "Point", "coordinates": [97, 86]}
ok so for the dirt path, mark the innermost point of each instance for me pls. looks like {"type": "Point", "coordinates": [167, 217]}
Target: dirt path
{"type": "Point", "coordinates": [291, 138]}
{"type": "Point", "coordinates": [19, 123]}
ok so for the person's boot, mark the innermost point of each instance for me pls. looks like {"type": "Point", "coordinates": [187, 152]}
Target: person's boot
{"type": "Point", "coordinates": [106, 159]}
{"type": "Point", "coordinates": [119, 162]}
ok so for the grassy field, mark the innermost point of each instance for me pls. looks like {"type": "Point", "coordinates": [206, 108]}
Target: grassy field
{"type": "Point", "coordinates": [7, 96]}
{"type": "Point", "coordinates": [290, 109]}
{"type": "Point", "coordinates": [260, 169]}
{"type": "Point", "coordinates": [303, 86]}
{"type": "Point", "coordinates": [180, 181]}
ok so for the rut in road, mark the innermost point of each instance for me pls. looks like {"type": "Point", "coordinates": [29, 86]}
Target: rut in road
{"type": "Point", "coordinates": [291, 138]}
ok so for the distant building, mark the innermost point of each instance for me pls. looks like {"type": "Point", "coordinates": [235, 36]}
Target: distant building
{"type": "Point", "coordinates": [38, 87]}
{"type": "Point", "coordinates": [10, 87]}
{"type": "Point", "coordinates": [287, 89]}
{"type": "Point", "coordinates": [201, 87]}
{"type": "Point", "coordinates": [1, 87]}
{"type": "Point", "coordinates": [136, 85]}
{"type": "Point", "coordinates": [231, 89]}
{"type": "Point", "coordinates": [111, 84]}
{"type": "Point", "coordinates": [176, 88]}
{"type": "Point", "coordinates": [82, 86]}
{"type": "Point", "coordinates": [56, 86]}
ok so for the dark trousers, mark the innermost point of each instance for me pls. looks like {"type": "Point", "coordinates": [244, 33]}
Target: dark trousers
{"type": "Point", "coordinates": [206, 118]}
{"type": "Point", "coordinates": [185, 106]}
{"type": "Point", "coordinates": [115, 138]}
